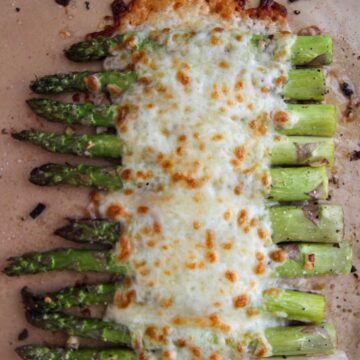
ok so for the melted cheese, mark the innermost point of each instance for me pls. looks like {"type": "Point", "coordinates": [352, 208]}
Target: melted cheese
{"type": "Point", "coordinates": [198, 136]}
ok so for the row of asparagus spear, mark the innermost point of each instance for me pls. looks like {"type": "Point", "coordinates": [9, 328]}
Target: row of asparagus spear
{"type": "Point", "coordinates": [315, 231]}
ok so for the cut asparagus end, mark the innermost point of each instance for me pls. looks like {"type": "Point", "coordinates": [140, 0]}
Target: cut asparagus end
{"type": "Point", "coordinates": [102, 178]}
{"type": "Point", "coordinates": [308, 223]}
{"type": "Point", "coordinates": [299, 184]}
{"type": "Point", "coordinates": [85, 295]}
{"type": "Point", "coordinates": [301, 150]}
{"type": "Point", "coordinates": [315, 259]}
{"type": "Point", "coordinates": [295, 305]}
{"type": "Point", "coordinates": [80, 260]}
{"type": "Point", "coordinates": [105, 145]}
{"type": "Point", "coordinates": [112, 81]}
{"type": "Point", "coordinates": [305, 84]}
{"type": "Point", "coordinates": [312, 120]}
{"type": "Point", "coordinates": [298, 340]}
{"type": "Point", "coordinates": [67, 113]}
{"type": "Point", "coordinates": [90, 328]}
{"type": "Point", "coordinates": [39, 352]}
{"type": "Point", "coordinates": [91, 231]}
{"type": "Point", "coordinates": [312, 50]}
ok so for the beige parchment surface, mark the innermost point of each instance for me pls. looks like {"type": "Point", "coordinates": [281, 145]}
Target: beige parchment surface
{"type": "Point", "coordinates": [31, 44]}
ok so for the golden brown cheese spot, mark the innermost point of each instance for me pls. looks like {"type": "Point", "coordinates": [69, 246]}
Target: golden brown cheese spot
{"type": "Point", "coordinates": [262, 234]}
{"type": "Point", "coordinates": [214, 40]}
{"type": "Point", "coordinates": [227, 215]}
{"type": "Point", "coordinates": [157, 227]}
{"type": "Point", "coordinates": [252, 312]}
{"type": "Point", "coordinates": [122, 301]}
{"type": "Point", "coordinates": [217, 137]}
{"type": "Point", "coordinates": [277, 255]}
{"type": "Point", "coordinates": [242, 217]}
{"type": "Point", "coordinates": [180, 343]}
{"type": "Point", "coordinates": [237, 190]}
{"type": "Point", "coordinates": [151, 243]}
{"type": "Point", "coordinates": [253, 222]}
{"type": "Point", "coordinates": [196, 225]}
{"type": "Point", "coordinates": [227, 245]}
{"type": "Point", "coordinates": [272, 292]}
{"type": "Point", "coordinates": [142, 210]}
{"type": "Point", "coordinates": [259, 256]}
{"type": "Point", "coordinates": [183, 78]}
{"type": "Point", "coordinates": [214, 356]}
{"type": "Point", "coordinates": [309, 262]}
{"type": "Point", "coordinates": [281, 118]}
{"type": "Point", "coordinates": [167, 303]}
{"type": "Point", "coordinates": [209, 239]}
{"type": "Point", "coordinates": [92, 83]}
{"type": "Point", "coordinates": [240, 301]}
{"type": "Point", "coordinates": [195, 351]}
{"type": "Point", "coordinates": [124, 248]}
{"type": "Point", "coordinates": [230, 276]}
{"type": "Point", "coordinates": [166, 355]}
{"type": "Point", "coordinates": [223, 65]}
{"type": "Point", "coordinates": [239, 152]}
{"type": "Point", "coordinates": [115, 210]}
{"type": "Point", "coordinates": [259, 268]}
{"type": "Point", "coordinates": [211, 257]}
{"type": "Point", "coordinates": [126, 174]}
{"type": "Point", "coordinates": [280, 80]}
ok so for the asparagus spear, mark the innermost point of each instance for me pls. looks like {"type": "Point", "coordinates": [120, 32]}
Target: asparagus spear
{"type": "Point", "coordinates": [315, 259]}
{"type": "Point", "coordinates": [103, 178]}
{"type": "Point", "coordinates": [303, 84]}
{"type": "Point", "coordinates": [295, 305]}
{"type": "Point", "coordinates": [308, 223]}
{"type": "Point", "coordinates": [80, 260]}
{"type": "Point", "coordinates": [97, 329]}
{"type": "Point", "coordinates": [298, 184]}
{"type": "Point", "coordinates": [300, 150]}
{"type": "Point", "coordinates": [68, 113]}
{"type": "Point", "coordinates": [38, 352]}
{"type": "Point", "coordinates": [100, 232]}
{"type": "Point", "coordinates": [85, 295]}
{"type": "Point", "coordinates": [313, 120]}
{"type": "Point", "coordinates": [299, 340]}
{"type": "Point", "coordinates": [296, 260]}
{"type": "Point", "coordinates": [288, 184]}
{"type": "Point", "coordinates": [86, 81]}
{"type": "Point", "coordinates": [305, 50]}
{"type": "Point", "coordinates": [103, 145]}
{"type": "Point", "coordinates": [294, 150]}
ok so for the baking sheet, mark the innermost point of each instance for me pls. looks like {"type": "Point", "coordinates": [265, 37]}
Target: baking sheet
{"type": "Point", "coordinates": [32, 37]}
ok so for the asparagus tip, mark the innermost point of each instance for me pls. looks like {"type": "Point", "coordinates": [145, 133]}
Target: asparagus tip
{"type": "Point", "coordinates": [42, 175]}
{"type": "Point", "coordinates": [22, 135]}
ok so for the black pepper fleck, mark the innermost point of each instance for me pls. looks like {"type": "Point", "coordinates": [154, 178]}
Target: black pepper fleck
{"type": "Point", "coordinates": [24, 334]}
{"type": "Point", "coordinates": [63, 2]}
{"type": "Point", "coordinates": [346, 89]}
{"type": "Point", "coordinates": [355, 155]}
{"type": "Point", "coordinates": [17, 9]}
{"type": "Point", "coordinates": [87, 5]}
{"type": "Point", "coordinates": [353, 269]}
{"type": "Point", "coordinates": [297, 12]}
{"type": "Point", "coordinates": [38, 209]}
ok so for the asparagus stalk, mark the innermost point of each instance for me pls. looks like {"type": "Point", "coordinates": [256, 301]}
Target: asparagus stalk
{"type": "Point", "coordinates": [38, 352]}
{"type": "Point", "coordinates": [305, 50]}
{"type": "Point", "coordinates": [300, 150]}
{"type": "Point", "coordinates": [97, 329]}
{"type": "Point", "coordinates": [103, 145]}
{"type": "Point", "coordinates": [295, 305]}
{"type": "Point", "coordinates": [102, 178]}
{"type": "Point", "coordinates": [313, 120]}
{"type": "Point", "coordinates": [288, 151]}
{"type": "Point", "coordinates": [85, 295]}
{"type": "Point", "coordinates": [305, 84]}
{"type": "Point", "coordinates": [68, 113]}
{"type": "Point", "coordinates": [296, 260]}
{"type": "Point", "coordinates": [87, 81]}
{"type": "Point", "coordinates": [100, 232]}
{"type": "Point", "coordinates": [298, 184]}
{"type": "Point", "coordinates": [288, 184]}
{"type": "Point", "coordinates": [308, 223]}
{"type": "Point", "coordinates": [80, 260]}
{"type": "Point", "coordinates": [308, 84]}
{"type": "Point", "coordinates": [315, 259]}
{"type": "Point", "coordinates": [298, 340]}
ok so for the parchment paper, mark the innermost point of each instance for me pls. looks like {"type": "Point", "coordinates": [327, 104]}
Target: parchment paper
{"type": "Point", "coordinates": [32, 37]}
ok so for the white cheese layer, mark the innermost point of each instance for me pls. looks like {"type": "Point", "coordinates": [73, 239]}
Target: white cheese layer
{"type": "Point", "coordinates": [197, 234]}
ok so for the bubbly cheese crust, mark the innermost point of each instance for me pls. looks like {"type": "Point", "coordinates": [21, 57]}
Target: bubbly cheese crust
{"type": "Point", "coordinates": [198, 133]}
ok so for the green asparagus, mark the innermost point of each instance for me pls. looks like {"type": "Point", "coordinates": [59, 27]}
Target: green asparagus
{"type": "Point", "coordinates": [303, 84]}
{"type": "Point", "coordinates": [38, 352]}
{"type": "Point", "coordinates": [315, 259]}
{"type": "Point", "coordinates": [80, 260]}
{"type": "Point", "coordinates": [109, 146]}
{"type": "Point", "coordinates": [91, 231]}
{"type": "Point", "coordinates": [305, 50]}
{"type": "Point", "coordinates": [102, 178]}
{"type": "Point", "coordinates": [308, 223]}
{"type": "Point", "coordinates": [312, 120]}
{"type": "Point", "coordinates": [112, 81]}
